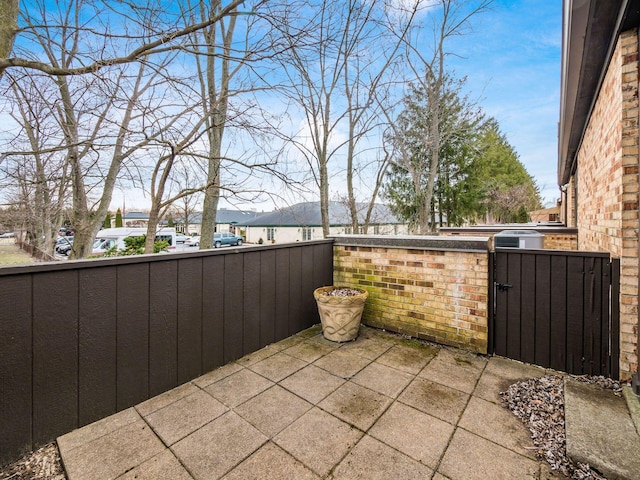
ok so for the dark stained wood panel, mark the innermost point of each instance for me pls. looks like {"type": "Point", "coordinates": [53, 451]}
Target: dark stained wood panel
{"type": "Point", "coordinates": [55, 354]}
{"type": "Point", "coordinates": [233, 331]}
{"type": "Point", "coordinates": [528, 311]}
{"type": "Point", "coordinates": [163, 324]}
{"type": "Point", "coordinates": [614, 319]}
{"type": "Point", "coordinates": [308, 306]}
{"type": "Point", "coordinates": [212, 312]}
{"type": "Point", "coordinates": [189, 319]}
{"type": "Point", "coordinates": [251, 301]}
{"type": "Point", "coordinates": [501, 325]}
{"type": "Point", "coordinates": [267, 297]}
{"type": "Point", "coordinates": [542, 317]}
{"type": "Point", "coordinates": [283, 286]}
{"type": "Point", "coordinates": [559, 313]}
{"type": "Point", "coordinates": [295, 291]}
{"type": "Point", "coordinates": [514, 294]}
{"type": "Point", "coordinates": [97, 343]}
{"type": "Point", "coordinates": [132, 309]}
{"type": "Point", "coordinates": [15, 366]}
{"type": "Point", "coordinates": [575, 314]}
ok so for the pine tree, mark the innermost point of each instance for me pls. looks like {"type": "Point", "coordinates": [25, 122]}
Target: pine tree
{"type": "Point", "coordinates": [119, 219]}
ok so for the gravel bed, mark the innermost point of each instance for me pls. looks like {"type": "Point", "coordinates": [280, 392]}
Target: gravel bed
{"type": "Point", "coordinates": [342, 292]}
{"type": "Point", "coordinates": [539, 404]}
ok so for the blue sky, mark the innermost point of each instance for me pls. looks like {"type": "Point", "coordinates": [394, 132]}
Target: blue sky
{"type": "Point", "coordinates": [512, 64]}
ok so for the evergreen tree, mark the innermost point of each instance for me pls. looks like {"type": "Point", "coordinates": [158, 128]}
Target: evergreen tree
{"type": "Point", "coordinates": [107, 221]}
{"type": "Point", "coordinates": [505, 191]}
{"type": "Point", "coordinates": [457, 120]}
{"type": "Point", "coordinates": [118, 219]}
{"type": "Point", "coordinates": [479, 177]}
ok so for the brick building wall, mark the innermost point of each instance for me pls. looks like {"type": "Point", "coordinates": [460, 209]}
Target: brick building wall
{"type": "Point", "coordinates": [437, 294]}
{"type": "Point", "coordinates": [606, 206]}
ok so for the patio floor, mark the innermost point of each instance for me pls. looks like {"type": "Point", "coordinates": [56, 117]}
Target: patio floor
{"type": "Point", "coordinates": [381, 407]}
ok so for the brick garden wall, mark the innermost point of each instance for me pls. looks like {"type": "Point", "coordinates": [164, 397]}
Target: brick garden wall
{"type": "Point", "coordinates": [607, 185]}
{"type": "Point", "coordinates": [432, 288]}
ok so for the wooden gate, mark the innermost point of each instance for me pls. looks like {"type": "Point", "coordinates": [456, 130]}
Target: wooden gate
{"type": "Point", "coordinates": [556, 309]}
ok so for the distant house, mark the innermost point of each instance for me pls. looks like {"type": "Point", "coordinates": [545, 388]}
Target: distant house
{"type": "Point", "coordinates": [227, 220]}
{"type": "Point", "coordinates": [303, 221]}
{"type": "Point", "coordinates": [545, 215]}
{"type": "Point", "coordinates": [135, 219]}
{"type": "Point", "coordinates": [599, 161]}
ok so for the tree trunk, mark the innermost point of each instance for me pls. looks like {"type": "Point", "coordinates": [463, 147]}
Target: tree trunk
{"type": "Point", "coordinates": [9, 10]}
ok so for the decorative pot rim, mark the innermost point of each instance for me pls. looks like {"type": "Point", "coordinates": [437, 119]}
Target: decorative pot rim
{"type": "Point", "coordinates": [319, 294]}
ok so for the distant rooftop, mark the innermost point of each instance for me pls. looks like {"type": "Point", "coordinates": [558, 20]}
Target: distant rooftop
{"type": "Point", "coordinates": [308, 214]}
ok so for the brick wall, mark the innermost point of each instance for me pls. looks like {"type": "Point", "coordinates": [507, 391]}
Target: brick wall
{"type": "Point", "coordinates": [435, 289]}
{"type": "Point", "coordinates": [560, 241]}
{"type": "Point", "coordinates": [555, 238]}
{"type": "Point", "coordinates": [607, 185]}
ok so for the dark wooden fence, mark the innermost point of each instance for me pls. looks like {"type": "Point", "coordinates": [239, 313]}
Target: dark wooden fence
{"type": "Point", "coordinates": [82, 340]}
{"type": "Point", "coordinates": [557, 309]}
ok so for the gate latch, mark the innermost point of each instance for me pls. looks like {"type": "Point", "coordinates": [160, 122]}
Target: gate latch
{"type": "Point", "coordinates": [503, 287]}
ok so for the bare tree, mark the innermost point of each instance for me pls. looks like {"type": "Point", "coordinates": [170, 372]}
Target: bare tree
{"type": "Point", "coordinates": [96, 118]}
{"type": "Point", "coordinates": [35, 169]}
{"type": "Point", "coordinates": [161, 182]}
{"type": "Point", "coordinates": [186, 179]}
{"type": "Point", "coordinates": [169, 33]}
{"type": "Point", "coordinates": [8, 26]}
{"type": "Point", "coordinates": [427, 63]}
{"type": "Point", "coordinates": [110, 119]}
{"type": "Point", "coordinates": [337, 58]}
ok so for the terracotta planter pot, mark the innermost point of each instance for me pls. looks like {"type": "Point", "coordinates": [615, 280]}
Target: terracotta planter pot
{"type": "Point", "coordinates": [340, 315]}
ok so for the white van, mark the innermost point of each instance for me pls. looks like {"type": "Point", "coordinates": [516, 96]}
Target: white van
{"type": "Point", "coordinates": [108, 238]}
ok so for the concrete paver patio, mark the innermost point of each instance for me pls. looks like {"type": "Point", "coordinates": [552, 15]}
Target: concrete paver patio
{"type": "Point", "coordinates": [381, 407]}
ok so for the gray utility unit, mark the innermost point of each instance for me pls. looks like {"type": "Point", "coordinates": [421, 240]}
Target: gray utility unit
{"type": "Point", "coordinates": [519, 239]}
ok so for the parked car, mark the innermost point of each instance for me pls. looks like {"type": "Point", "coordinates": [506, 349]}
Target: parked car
{"type": "Point", "coordinates": [226, 238]}
{"type": "Point", "coordinates": [181, 238]}
{"type": "Point", "coordinates": [64, 245]}
{"type": "Point", "coordinates": [193, 241]}
{"type": "Point", "coordinates": [8, 235]}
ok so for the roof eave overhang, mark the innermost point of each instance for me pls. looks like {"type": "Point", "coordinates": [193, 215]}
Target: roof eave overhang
{"type": "Point", "coordinates": [590, 29]}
